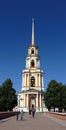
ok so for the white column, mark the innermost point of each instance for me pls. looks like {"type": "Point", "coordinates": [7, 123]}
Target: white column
{"type": "Point", "coordinates": [37, 100]}
{"type": "Point", "coordinates": [24, 101]}
{"type": "Point", "coordinates": [27, 100]}
{"type": "Point", "coordinates": [42, 83]}
{"type": "Point", "coordinates": [40, 100]}
{"type": "Point", "coordinates": [29, 80]}
{"type": "Point", "coordinates": [36, 80]}
{"type": "Point", "coordinates": [22, 80]}
{"type": "Point", "coordinates": [25, 80]}
{"type": "Point", "coordinates": [39, 80]}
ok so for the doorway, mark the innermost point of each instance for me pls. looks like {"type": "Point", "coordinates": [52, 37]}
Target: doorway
{"type": "Point", "coordinates": [32, 101]}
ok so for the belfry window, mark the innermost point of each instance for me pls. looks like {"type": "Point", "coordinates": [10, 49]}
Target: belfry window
{"type": "Point", "coordinates": [32, 81]}
{"type": "Point", "coordinates": [32, 63]}
{"type": "Point", "coordinates": [32, 51]}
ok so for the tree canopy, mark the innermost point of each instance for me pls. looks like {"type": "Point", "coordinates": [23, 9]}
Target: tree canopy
{"type": "Point", "coordinates": [55, 96]}
{"type": "Point", "coordinates": [8, 98]}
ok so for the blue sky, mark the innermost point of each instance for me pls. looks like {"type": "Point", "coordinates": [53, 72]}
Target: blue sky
{"type": "Point", "coordinates": [15, 37]}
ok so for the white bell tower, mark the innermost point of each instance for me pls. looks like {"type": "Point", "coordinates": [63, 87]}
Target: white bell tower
{"type": "Point", "coordinates": [32, 79]}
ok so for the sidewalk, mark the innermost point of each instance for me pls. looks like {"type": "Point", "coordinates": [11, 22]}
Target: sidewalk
{"type": "Point", "coordinates": [40, 122]}
{"type": "Point", "coordinates": [59, 121]}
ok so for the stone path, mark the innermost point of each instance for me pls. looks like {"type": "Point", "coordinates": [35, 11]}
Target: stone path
{"type": "Point", "coordinates": [39, 122]}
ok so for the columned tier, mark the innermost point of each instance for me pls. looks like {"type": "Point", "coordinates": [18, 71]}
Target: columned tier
{"type": "Point", "coordinates": [30, 98]}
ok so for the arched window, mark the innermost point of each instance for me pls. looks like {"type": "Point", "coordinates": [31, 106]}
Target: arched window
{"type": "Point", "coordinates": [32, 81]}
{"type": "Point", "coordinates": [32, 51]}
{"type": "Point", "coordinates": [32, 63]}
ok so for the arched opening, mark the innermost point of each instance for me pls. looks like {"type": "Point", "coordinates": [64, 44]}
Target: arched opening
{"type": "Point", "coordinates": [32, 63]}
{"type": "Point", "coordinates": [32, 81]}
{"type": "Point", "coordinates": [32, 101]}
{"type": "Point", "coordinates": [32, 51]}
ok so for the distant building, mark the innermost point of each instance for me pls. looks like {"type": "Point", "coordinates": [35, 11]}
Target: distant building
{"type": "Point", "coordinates": [32, 81]}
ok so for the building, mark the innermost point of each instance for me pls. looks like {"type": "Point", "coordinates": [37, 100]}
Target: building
{"type": "Point", "coordinates": [32, 80]}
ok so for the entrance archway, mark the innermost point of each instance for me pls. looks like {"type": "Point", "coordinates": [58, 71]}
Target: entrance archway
{"type": "Point", "coordinates": [32, 101]}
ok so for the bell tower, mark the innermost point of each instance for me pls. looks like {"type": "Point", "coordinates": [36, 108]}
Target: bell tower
{"type": "Point", "coordinates": [33, 60]}
{"type": "Point", "coordinates": [32, 80]}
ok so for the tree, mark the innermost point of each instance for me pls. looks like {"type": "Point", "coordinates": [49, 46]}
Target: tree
{"type": "Point", "coordinates": [8, 98]}
{"type": "Point", "coordinates": [53, 95]}
{"type": "Point", "coordinates": [59, 97]}
{"type": "Point", "coordinates": [64, 97]}
{"type": "Point", "coordinates": [47, 100]}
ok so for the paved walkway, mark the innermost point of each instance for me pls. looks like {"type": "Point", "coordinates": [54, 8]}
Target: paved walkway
{"type": "Point", "coordinates": [39, 122]}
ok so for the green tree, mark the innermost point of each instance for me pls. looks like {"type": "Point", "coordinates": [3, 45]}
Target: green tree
{"type": "Point", "coordinates": [59, 97]}
{"type": "Point", "coordinates": [47, 100]}
{"type": "Point", "coordinates": [64, 97]}
{"type": "Point", "coordinates": [53, 95]}
{"type": "Point", "coordinates": [8, 98]}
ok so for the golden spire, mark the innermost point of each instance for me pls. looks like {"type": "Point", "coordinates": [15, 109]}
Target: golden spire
{"type": "Point", "coordinates": [32, 31]}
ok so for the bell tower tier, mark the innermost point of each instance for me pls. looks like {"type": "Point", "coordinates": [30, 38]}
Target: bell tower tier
{"type": "Point", "coordinates": [32, 80]}
{"type": "Point", "coordinates": [32, 59]}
